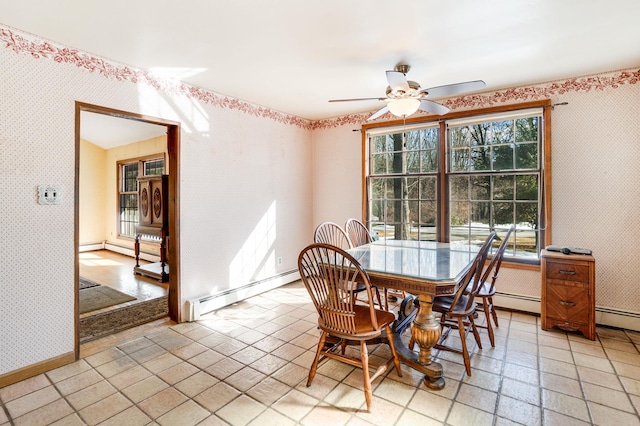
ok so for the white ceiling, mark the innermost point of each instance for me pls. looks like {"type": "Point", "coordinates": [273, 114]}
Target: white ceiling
{"type": "Point", "coordinates": [109, 132]}
{"type": "Point", "coordinates": [295, 55]}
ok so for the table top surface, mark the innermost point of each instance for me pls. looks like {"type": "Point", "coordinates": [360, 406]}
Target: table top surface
{"type": "Point", "coordinates": [425, 260]}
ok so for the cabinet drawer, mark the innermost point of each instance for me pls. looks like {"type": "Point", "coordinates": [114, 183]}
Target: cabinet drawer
{"type": "Point", "coordinates": [570, 303]}
{"type": "Point", "coordinates": [568, 271]}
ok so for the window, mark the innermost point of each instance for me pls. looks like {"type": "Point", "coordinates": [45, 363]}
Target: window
{"type": "Point", "coordinates": [128, 173]}
{"type": "Point", "coordinates": [460, 178]}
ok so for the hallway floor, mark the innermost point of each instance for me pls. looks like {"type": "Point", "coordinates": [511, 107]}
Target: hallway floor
{"type": "Point", "coordinates": [248, 364]}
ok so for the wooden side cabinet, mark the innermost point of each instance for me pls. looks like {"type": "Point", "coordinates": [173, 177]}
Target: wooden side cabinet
{"type": "Point", "coordinates": [569, 292]}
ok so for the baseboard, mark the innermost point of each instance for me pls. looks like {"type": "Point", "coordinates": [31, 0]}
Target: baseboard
{"type": "Point", "coordinates": [129, 252]}
{"type": "Point", "coordinates": [609, 317]}
{"type": "Point", "coordinates": [200, 306]}
{"type": "Point", "coordinates": [35, 369]}
{"type": "Point", "coordinates": [91, 247]}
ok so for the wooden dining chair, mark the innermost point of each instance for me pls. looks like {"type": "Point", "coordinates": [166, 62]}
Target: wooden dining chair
{"type": "Point", "coordinates": [330, 274]}
{"type": "Point", "coordinates": [457, 311]}
{"type": "Point", "coordinates": [359, 235]}
{"type": "Point", "coordinates": [331, 233]}
{"type": "Point", "coordinates": [487, 288]}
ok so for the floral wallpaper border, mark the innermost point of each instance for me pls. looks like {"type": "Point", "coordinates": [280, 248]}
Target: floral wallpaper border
{"type": "Point", "coordinates": [21, 42]}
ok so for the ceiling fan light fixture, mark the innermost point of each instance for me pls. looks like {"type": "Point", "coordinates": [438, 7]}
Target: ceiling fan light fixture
{"type": "Point", "coordinates": [404, 107]}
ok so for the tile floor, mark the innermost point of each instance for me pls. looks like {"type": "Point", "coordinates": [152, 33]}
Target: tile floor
{"type": "Point", "coordinates": [248, 364]}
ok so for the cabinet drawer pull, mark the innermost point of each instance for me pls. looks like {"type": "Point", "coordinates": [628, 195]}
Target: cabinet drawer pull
{"type": "Point", "coordinates": [565, 303]}
{"type": "Point", "coordinates": [567, 272]}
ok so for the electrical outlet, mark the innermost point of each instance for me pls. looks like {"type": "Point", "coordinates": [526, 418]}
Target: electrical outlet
{"type": "Point", "coordinates": [280, 261]}
{"type": "Point", "coordinates": [49, 194]}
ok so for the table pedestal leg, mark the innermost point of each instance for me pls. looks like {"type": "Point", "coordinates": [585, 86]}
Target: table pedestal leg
{"type": "Point", "coordinates": [425, 331]}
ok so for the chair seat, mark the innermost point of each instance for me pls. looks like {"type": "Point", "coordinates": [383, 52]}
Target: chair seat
{"type": "Point", "coordinates": [364, 327]}
{"type": "Point", "coordinates": [443, 305]}
{"type": "Point", "coordinates": [484, 290]}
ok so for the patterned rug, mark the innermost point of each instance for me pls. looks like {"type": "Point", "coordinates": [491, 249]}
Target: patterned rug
{"type": "Point", "coordinates": [98, 297]}
{"type": "Point", "coordinates": [85, 283]}
{"type": "Point", "coordinates": [95, 326]}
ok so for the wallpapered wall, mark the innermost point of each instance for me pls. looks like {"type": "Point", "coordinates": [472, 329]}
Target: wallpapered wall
{"type": "Point", "coordinates": [254, 182]}
{"type": "Point", "coordinates": [595, 175]}
{"type": "Point", "coordinates": [245, 186]}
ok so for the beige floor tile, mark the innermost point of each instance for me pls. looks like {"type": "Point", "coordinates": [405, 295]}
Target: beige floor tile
{"type": "Point", "coordinates": [483, 379]}
{"type": "Point", "coordinates": [190, 350]}
{"type": "Point", "coordinates": [217, 396]}
{"type": "Point", "coordinates": [597, 363]}
{"type": "Point", "coordinates": [104, 409]}
{"type": "Point", "coordinates": [206, 359]}
{"type": "Point", "coordinates": [105, 356]}
{"type": "Point", "coordinates": [557, 354]}
{"type": "Point", "coordinates": [519, 372]}
{"type": "Point", "coordinates": [412, 418]}
{"type": "Point", "coordinates": [627, 370]}
{"type": "Point", "coordinates": [607, 416]}
{"type": "Point", "coordinates": [129, 377]}
{"type": "Point", "coordinates": [559, 342]}
{"type": "Point", "coordinates": [291, 374]}
{"type": "Point", "coordinates": [296, 404]}
{"type": "Point", "coordinates": [394, 391]}
{"type": "Point", "coordinates": [346, 398]}
{"type": "Point", "coordinates": [78, 382]}
{"type": "Point", "coordinates": [268, 364]}
{"type": "Point", "coordinates": [552, 418]}
{"type": "Point", "coordinates": [160, 403]}
{"type": "Point", "coordinates": [186, 414]}
{"type": "Point", "coordinates": [178, 372]}
{"type": "Point", "coordinates": [148, 353]}
{"type": "Point", "coordinates": [631, 386]}
{"type": "Point", "coordinates": [321, 386]}
{"type": "Point", "coordinates": [91, 395]}
{"type": "Point", "coordinates": [193, 385]}
{"type": "Point", "coordinates": [561, 384]}
{"type": "Point", "coordinates": [271, 417]}
{"type": "Point", "coordinates": [382, 412]}
{"type": "Point", "coordinates": [116, 366]}
{"type": "Point", "coordinates": [132, 416]}
{"type": "Point", "coordinates": [477, 397]}
{"type": "Point", "coordinates": [519, 411]}
{"type": "Point", "coordinates": [248, 355]}
{"type": "Point", "coordinates": [288, 351]}
{"type": "Point", "coordinates": [431, 404]}
{"type": "Point", "coordinates": [144, 389]}
{"type": "Point", "coordinates": [581, 346]}
{"type": "Point", "coordinates": [162, 363]}
{"type": "Point", "coordinates": [46, 414]}
{"type": "Point", "coordinates": [623, 356]}
{"type": "Point", "coordinates": [607, 397]}
{"type": "Point", "coordinates": [521, 391]}
{"type": "Point", "coordinates": [245, 378]}
{"type": "Point", "coordinates": [32, 401]}
{"type": "Point", "coordinates": [521, 358]}
{"type": "Point", "coordinates": [565, 404]}
{"type": "Point", "coordinates": [463, 415]}
{"type": "Point", "coordinates": [241, 410]}
{"type": "Point", "coordinates": [558, 367]}
{"type": "Point", "coordinates": [268, 391]}
{"type": "Point", "coordinates": [224, 368]}
{"type": "Point", "coordinates": [589, 375]}
{"type": "Point", "coordinates": [67, 371]}
{"type": "Point", "coordinates": [17, 390]}
{"type": "Point", "coordinates": [618, 345]}
{"type": "Point", "coordinates": [70, 420]}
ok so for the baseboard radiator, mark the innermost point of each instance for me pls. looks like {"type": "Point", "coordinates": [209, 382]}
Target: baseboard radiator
{"type": "Point", "coordinates": [197, 307]}
{"type": "Point", "coordinates": [129, 252]}
{"type": "Point", "coordinates": [610, 317]}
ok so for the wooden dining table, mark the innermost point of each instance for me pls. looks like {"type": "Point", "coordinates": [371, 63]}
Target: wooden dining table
{"type": "Point", "coordinates": [425, 269]}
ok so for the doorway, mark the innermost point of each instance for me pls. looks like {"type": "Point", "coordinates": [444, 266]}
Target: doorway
{"type": "Point", "coordinates": [172, 130]}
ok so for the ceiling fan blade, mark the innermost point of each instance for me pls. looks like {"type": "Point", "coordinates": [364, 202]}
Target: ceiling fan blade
{"type": "Point", "coordinates": [454, 89]}
{"type": "Point", "coordinates": [358, 99]}
{"type": "Point", "coordinates": [433, 107]}
{"type": "Point", "coordinates": [378, 113]}
{"type": "Point", "coordinates": [397, 81]}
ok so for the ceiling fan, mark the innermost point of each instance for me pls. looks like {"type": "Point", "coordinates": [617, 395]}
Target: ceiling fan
{"type": "Point", "coordinates": [406, 97]}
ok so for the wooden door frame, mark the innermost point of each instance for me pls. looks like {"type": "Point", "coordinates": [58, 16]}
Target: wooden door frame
{"type": "Point", "coordinates": [173, 150]}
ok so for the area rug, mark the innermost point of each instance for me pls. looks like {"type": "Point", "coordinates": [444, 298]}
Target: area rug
{"type": "Point", "coordinates": [85, 283]}
{"type": "Point", "coordinates": [98, 297]}
{"type": "Point", "coordinates": [103, 324]}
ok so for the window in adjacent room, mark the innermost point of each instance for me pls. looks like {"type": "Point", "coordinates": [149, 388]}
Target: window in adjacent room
{"type": "Point", "coordinates": [458, 179]}
{"type": "Point", "coordinates": [128, 173]}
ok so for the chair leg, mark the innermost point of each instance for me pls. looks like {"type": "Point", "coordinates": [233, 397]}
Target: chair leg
{"type": "Point", "coordinates": [487, 315]}
{"type": "Point", "coordinates": [493, 311]}
{"type": "Point", "coordinates": [476, 334]}
{"type": "Point", "coordinates": [364, 357]}
{"type": "Point", "coordinates": [465, 352]}
{"type": "Point", "coordinates": [314, 365]}
{"type": "Point", "coordinates": [396, 360]}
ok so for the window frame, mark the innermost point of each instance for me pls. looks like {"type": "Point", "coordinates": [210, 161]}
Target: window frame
{"type": "Point", "coordinates": [443, 172]}
{"type": "Point", "coordinates": [119, 184]}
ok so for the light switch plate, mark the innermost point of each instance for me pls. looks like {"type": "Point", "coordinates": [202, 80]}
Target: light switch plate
{"type": "Point", "coordinates": [49, 194]}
